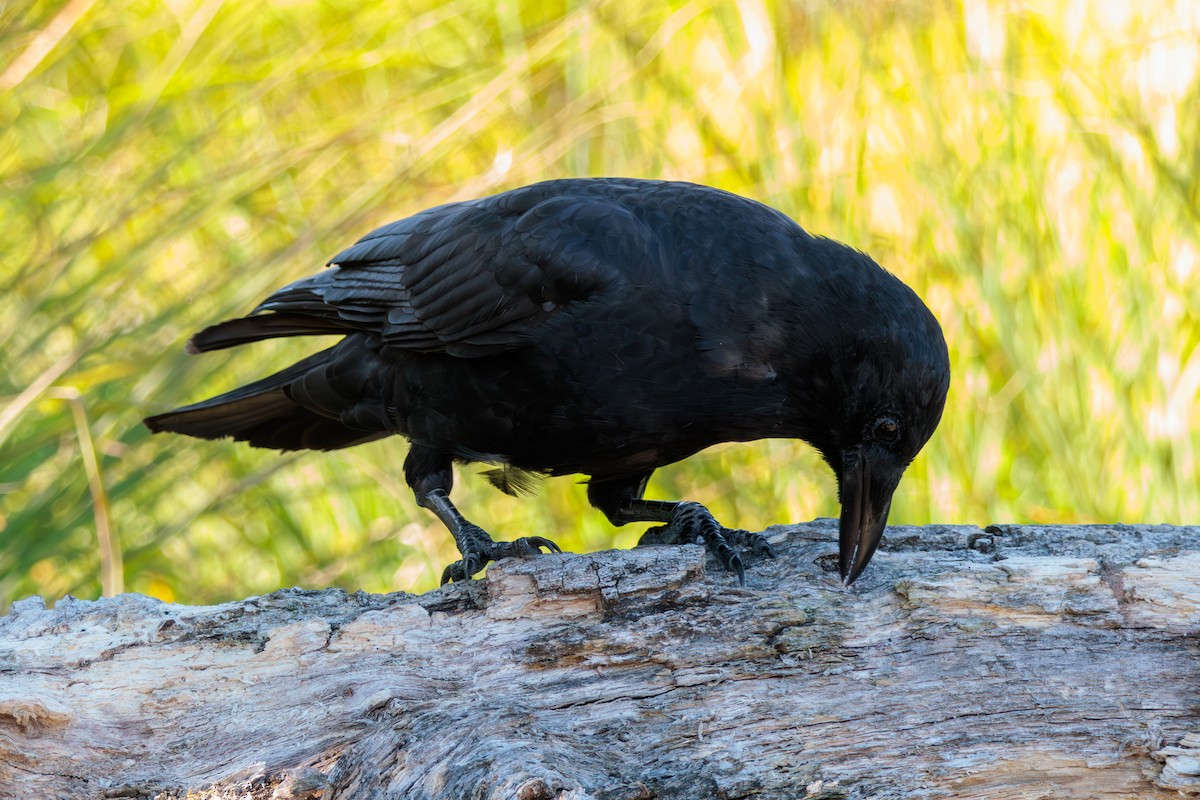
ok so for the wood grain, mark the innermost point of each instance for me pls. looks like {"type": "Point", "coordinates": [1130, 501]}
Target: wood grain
{"type": "Point", "coordinates": [1013, 662]}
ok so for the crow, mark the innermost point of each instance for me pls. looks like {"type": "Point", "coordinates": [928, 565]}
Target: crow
{"type": "Point", "coordinates": [604, 327]}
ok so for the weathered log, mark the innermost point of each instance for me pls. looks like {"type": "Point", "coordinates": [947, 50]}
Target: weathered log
{"type": "Point", "coordinates": [1016, 662]}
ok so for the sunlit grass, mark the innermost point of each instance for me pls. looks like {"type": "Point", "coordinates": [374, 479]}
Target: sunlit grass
{"type": "Point", "coordinates": [164, 165]}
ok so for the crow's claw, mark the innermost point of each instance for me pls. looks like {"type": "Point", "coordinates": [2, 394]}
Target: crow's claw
{"type": "Point", "coordinates": [754, 542]}
{"type": "Point", "coordinates": [454, 572]}
{"type": "Point", "coordinates": [525, 546]}
{"type": "Point", "coordinates": [481, 550]}
{"type": "Point", "coordinates": [692, 523]}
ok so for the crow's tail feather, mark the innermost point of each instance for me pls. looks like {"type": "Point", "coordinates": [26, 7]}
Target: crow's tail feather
{"type": "Point", "coordinates": [263, 414]}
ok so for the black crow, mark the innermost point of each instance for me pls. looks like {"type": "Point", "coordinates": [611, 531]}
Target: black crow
{"type": "Point", "coordinates": [604, 327]}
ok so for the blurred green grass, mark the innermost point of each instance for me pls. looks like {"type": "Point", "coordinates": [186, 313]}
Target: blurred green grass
{"type": "Point", "coordinates": [1032, 174]}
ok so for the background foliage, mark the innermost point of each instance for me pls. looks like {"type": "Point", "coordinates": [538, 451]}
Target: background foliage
{"type": "Point", "coordinates": [1030, 169]}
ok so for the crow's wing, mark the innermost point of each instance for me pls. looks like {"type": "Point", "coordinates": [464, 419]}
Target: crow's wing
{"type": "Point", "coordinates": [467, 278]}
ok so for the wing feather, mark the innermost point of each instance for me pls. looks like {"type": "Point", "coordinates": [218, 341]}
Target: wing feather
{"type": "Point", "coordinates": [475, 277]}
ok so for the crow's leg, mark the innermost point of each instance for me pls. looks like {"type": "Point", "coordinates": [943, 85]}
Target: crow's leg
{"type": "Point", "coordinates": [621, 501]}
{"type": "Point", "coordinates": [430, 473]}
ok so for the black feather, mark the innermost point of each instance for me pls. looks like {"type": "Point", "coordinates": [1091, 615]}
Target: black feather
{"type": "Point", "coordinates": [514, 482]}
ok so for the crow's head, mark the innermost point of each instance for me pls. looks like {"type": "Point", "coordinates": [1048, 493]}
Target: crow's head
{"type": "Point", "coordinates": [870, 384]}
{"type": "Point", "coordinates": [895, 375]}
{"type": "Point", "coordinates": [893, 405]}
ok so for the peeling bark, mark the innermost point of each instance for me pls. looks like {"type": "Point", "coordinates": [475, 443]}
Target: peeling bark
{"type": "Point", "coordinates": [1012, 662]}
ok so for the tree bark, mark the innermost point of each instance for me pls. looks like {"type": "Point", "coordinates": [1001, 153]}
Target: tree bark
{"type": "Point", "coordinates": [1012, 662]}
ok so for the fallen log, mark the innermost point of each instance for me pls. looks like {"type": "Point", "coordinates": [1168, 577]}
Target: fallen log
{"type": "Point", "coordinates": [1011, 662]}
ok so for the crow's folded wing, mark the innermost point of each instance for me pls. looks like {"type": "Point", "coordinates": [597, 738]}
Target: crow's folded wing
{"type": "Point", "coordinates": [468, 278]}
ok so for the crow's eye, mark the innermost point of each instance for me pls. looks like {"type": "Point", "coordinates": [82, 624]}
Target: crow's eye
{"type": "Point", "coordinates": [886, 431]}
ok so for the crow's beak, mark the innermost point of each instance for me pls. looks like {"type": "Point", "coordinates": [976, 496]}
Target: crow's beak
{"type": "Point", "coordinates": [864, 515]}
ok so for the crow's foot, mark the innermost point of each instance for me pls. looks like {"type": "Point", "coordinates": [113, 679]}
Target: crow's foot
{"type": "Point", "coordinates": [692, 523]}
{"type": "Point", "coordinates": [756, 543]}
{"type": "Point", "coordinates": [478, 550]}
